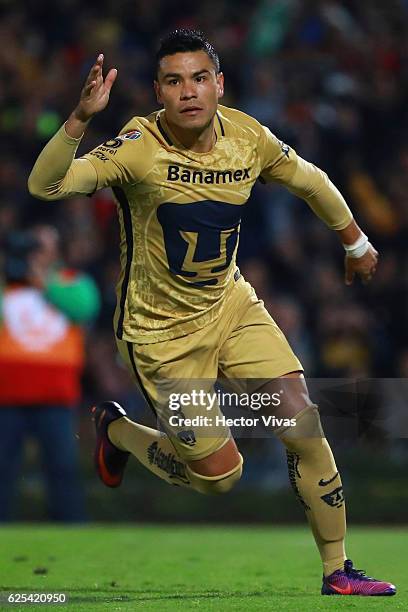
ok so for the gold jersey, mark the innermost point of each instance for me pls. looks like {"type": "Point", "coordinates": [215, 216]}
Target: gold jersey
{"type": "Point", "coordinates": [180, 214]}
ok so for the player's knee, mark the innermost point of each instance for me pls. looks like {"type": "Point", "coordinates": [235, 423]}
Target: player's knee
{"type": "Point", "coordinates": [305, 424]}
{"type": "Point", "coordinates": [217, 462]}
{"type": "Point", "coordinates": [216, 484]}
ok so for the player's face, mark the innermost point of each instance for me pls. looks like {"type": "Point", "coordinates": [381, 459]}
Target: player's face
{"type": "Point", "coordinates": [189, 88]}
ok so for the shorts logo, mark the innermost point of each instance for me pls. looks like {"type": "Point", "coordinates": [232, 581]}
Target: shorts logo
{"type": "Point", "coordinates": [187, 437]}
{"type": "Point", "coordinates": [167, 462]}
{"type": "Point", "coordinates": [335, 498]}
{"type": "Point", "coordinates": [132, 135]}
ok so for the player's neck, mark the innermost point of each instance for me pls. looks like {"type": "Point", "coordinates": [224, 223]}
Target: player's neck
{"type": "Point", "coordinates": [198, 142]}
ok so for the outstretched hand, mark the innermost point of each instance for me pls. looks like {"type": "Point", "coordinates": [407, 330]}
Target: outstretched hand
{"type": "Point", "coordinates": [365, 266]}
{"type": "Point", "coordinates": [95, 93]}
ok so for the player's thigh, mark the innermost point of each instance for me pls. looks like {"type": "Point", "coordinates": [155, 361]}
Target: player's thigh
{"type": "Point", "coordinates": [168, 373]}
{"type": "Point", "coordinates": [255, 348]}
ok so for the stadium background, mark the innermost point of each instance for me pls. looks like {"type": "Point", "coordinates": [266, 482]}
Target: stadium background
{"type": "Point", "coordinates": [330, 78]}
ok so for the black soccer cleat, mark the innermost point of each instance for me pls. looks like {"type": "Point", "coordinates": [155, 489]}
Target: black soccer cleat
{"type": "Point", "coordinates": [110, 461]}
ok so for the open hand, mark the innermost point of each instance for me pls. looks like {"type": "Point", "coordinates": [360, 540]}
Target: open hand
{"type": "Point", "coordinates": [95, 93]}
{"type": "Point", "coordinates": [365, 266]}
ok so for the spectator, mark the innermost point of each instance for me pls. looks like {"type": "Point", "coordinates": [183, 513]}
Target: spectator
{"type": "Point", "coordinates": [41, 360]}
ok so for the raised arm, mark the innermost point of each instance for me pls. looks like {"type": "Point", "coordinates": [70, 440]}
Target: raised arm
{"type": "Point", "coordinates": [56, 173]}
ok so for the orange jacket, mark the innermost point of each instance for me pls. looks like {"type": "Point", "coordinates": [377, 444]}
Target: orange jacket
{"type": "Point", "coordinates": [41, 351]}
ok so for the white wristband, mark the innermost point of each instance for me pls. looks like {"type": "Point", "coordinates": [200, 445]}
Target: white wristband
{"type": "Point", "coordinates": [358, 248]}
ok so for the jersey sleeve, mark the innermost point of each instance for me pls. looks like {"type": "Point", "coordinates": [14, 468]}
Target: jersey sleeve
{"type": "Point", "coordinates": [278, 160]}
{"type": "Point", "coordinates": [57, 174]}
{"type": "Point", "coordinates": [120, 160]}
{"type": "Point", "coordinates": [281, 164]}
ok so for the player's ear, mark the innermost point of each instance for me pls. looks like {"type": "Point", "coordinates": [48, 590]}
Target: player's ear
{"type": "Point", "coordinates": [156, 86]}
{"type": "Point", "coordinates": [220, 84]}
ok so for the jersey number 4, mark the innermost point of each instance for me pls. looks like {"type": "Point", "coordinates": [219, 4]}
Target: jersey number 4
{"type": "Point", "coordinates": [200, 238]}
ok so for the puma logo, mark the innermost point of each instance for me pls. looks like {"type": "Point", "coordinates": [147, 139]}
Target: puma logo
{"type": "Point", "coordinates": [323, 483]}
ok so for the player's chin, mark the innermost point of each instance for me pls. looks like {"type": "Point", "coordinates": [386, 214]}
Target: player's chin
{"type": "Point", "coordinates": [198, 120]}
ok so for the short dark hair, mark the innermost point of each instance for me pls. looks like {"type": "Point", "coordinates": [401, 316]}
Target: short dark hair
{"type": "Point", "coordinates": [184, 40]}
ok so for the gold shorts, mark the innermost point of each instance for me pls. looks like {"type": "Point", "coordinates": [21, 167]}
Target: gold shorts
{"type": "Point", "coordinates": [244, 343]}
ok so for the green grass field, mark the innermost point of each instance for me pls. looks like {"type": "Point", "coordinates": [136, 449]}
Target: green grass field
{"type": "Point", "coordinates": [191, 568]}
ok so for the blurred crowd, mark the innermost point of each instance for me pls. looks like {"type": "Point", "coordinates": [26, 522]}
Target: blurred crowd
{"type": "Point", "coordinates": [330, 78]}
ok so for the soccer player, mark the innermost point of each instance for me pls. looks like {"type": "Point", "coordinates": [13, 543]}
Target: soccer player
{"type": "Point", "coordinates": [180, 177]}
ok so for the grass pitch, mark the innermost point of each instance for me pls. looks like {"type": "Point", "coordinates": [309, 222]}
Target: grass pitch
{"type": "Point", "coordinates": [187, 568]}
